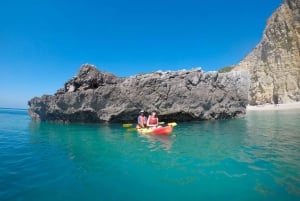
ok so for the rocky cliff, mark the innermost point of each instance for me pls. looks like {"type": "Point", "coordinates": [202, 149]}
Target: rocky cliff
{"type": "Point", "coordinates": [94, 96]}
{"type": "Point", "coordinates": [274, 64]}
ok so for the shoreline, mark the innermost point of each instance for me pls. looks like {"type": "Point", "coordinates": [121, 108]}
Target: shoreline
{"type": "Point", "coordinates": [272, 107]}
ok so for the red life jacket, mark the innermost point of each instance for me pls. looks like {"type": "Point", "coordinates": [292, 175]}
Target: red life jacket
{"type": "Point", "coordinates": [153, 121]}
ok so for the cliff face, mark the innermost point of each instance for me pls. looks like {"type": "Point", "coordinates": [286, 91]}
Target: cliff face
{"type": "Point", "coordinates": [94, 96]}
{"type": "Point", "coordinates": [274, 64]}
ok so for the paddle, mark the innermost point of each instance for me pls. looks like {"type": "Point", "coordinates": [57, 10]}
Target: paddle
{"type": "Point", "coordinates": [169, 124]}
{"type": "Point", "coordinates": [172, 124]}
{"type": "Point", "coordinates": [126, 125]}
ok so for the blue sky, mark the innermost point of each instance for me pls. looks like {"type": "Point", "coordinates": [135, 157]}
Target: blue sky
{"type": "Point", "coordinates": [44, 43]}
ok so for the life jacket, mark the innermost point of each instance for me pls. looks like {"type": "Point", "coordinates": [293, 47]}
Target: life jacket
{"type": "Point", "coordinates": [153, 120]}
{"type": "Point", "coordinates": [142, 119]}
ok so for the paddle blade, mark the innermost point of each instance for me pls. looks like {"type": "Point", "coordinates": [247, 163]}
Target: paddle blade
{"type": "Point", "coordinates": [172, 124]}
{"type": "Point", "coordinates": [131, 129]}
{"type": "Point", "coordinates": [127, 125]}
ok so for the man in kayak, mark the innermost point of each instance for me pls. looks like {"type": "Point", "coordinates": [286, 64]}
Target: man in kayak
{"type": "Point", "coordinates": [142, 120]}
{"type": "Point", "coordinates": [152, 121]}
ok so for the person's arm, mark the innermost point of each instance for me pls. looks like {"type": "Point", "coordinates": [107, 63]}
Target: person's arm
{"type": "Point", "coordinates": [148, 121]}
{"type": "Point", "coordinates": [139, 120]}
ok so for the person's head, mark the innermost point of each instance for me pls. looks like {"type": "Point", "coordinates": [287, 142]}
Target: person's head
{"type": "Point", "coordinates": [153, 114]}
{"type": "Point", "coordinates": [142, 113]}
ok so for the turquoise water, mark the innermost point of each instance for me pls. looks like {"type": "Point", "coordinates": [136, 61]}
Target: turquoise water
{"type": "Point", "coordinates": [254, 158]}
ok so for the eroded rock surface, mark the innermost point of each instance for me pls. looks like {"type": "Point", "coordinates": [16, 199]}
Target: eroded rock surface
{"type": "Point", "coordinates": [274, 64]}
{"type": "Point", "coordinates": [95, 96]}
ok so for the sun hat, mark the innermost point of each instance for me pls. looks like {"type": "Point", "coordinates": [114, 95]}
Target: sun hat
{"type": "Point", "coordinates": [142, 111]}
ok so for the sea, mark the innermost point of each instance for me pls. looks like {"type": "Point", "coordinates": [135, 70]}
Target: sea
{"type": "Point", "coordinates": [253, 158]}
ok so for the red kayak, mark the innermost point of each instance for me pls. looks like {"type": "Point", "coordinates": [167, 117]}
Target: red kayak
{"type": "Point", "coordinates": [164, 130]}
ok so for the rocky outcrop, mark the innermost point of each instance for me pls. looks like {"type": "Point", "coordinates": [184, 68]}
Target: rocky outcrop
{"type": "Point", "coordinates": [274, 64]}
{"type": "Point", "coordinates": [94, 96]}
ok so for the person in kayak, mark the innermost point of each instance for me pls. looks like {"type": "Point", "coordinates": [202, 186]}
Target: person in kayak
{"type": "Point", "coordinates": [142, 120]}
{"type": "Point", "coordinates": [152, 121]}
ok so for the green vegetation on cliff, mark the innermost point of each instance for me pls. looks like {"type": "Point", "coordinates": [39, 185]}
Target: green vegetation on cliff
{"type": "Point", "coordinates": [225, 69]}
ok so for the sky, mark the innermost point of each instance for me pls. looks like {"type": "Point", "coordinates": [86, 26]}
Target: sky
{"type": "Point", "coordinates": [44, 43]}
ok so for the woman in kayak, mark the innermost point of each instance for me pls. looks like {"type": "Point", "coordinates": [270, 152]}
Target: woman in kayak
{"type": "Point", "coordinates": [152, 121]}
{"type": "Point", "coordinates": [142, 120]}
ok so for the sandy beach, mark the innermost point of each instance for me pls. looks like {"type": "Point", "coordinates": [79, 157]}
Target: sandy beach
{"type": "Point", "coordinates": [268, 107]}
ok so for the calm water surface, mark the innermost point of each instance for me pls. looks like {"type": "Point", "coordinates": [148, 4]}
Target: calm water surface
{"type": "Point", "coordinates": [254, 158]}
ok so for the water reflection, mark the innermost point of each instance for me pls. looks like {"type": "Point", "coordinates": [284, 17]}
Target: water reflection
{"type": "Point", "coordinates": [158, 141]}
{"type": "Point", "coordinates": [86, 144]}
{"type": "Point", "coordinates": [272, 147]}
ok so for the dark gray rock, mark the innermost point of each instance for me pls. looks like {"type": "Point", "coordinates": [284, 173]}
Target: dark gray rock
{"type": "Point", "coordinates": [94, 96]}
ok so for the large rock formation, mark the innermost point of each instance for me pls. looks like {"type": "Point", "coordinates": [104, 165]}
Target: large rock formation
{"type": "Point", "coordinates": [274, 64]}
{"type": "Point", "coordinates": [94, 96]}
